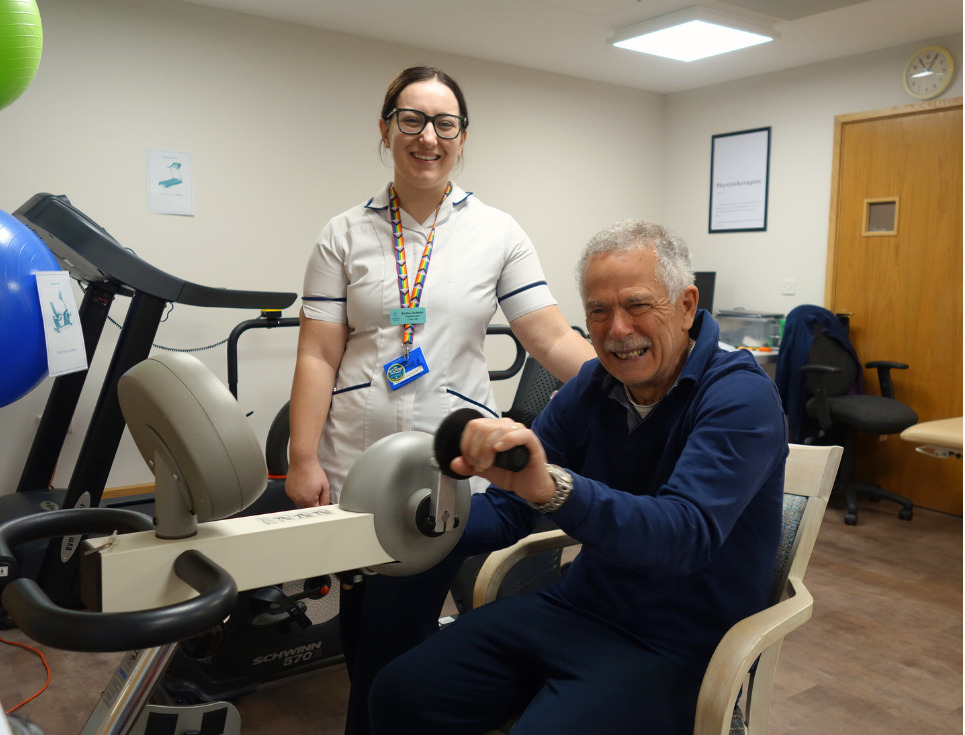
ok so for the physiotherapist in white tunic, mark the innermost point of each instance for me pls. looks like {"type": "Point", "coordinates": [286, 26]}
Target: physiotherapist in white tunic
{"type": "Point", "coordinates": [398, 294]}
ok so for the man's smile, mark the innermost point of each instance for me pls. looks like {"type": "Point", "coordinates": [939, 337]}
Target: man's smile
{"type": "Point", "coordinates": [631, 354]}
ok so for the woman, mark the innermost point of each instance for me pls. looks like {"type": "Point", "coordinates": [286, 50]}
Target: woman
{"type": "Point", "coordinates": [398, 294]}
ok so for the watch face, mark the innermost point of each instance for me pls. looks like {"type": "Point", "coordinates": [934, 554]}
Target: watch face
{"type": "Point", "coordinates": [928, 72]}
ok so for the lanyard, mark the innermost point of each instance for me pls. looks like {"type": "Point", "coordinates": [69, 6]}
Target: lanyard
{"type": "Point", "coordinates": [409, 299]}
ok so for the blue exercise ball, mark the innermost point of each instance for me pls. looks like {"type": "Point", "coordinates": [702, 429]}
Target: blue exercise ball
{"type": "Point", "coordinates": [23, 348]}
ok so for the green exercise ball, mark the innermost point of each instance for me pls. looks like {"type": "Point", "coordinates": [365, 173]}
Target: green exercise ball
{"type": "Point", "coordinates": [21, 43]}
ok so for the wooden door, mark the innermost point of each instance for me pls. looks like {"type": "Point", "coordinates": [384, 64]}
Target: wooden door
{"type": "Point", "coordinates": [903, 284]}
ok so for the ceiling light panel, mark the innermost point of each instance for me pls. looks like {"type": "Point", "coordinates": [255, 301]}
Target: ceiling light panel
{"type": "Point", "coordinates": [691, 34]}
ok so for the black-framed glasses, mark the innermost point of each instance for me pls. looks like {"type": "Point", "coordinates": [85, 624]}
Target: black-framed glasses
{"type": "Point", "coordinates": [413, 122]}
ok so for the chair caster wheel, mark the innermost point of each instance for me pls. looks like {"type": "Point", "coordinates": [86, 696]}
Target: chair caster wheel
{"type": "Point", "coordinates": [851, 519]}
{"type": "Point", "coordinates": [905, 514]}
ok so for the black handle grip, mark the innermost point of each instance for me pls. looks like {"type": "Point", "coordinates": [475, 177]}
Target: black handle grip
{"type": "Point", "coordinates": [74, 630]}
{"type": "Point", "coordinates": [34, 613]}
{"type": "Point", "coordinates": [449, 434]}
{"type": "Point", "coordinates": [513, 459]}
{"type": "Point", "coordinates": [67, 522]}
{"type": "Point", "coordinates": [518, 359]}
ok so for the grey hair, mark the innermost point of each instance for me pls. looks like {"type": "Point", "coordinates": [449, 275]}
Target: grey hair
{"type": "Point", "coordinates": [674, 268]}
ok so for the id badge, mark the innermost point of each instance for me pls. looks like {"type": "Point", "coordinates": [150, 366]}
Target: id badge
{"type": "Point", "coordinates": [412, 315]}
{"type": "Point", "coordinates": [404, 370]}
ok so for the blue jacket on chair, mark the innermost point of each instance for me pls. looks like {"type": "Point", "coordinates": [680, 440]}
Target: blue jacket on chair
{"type": "Point", "coordinates": [794, 353]}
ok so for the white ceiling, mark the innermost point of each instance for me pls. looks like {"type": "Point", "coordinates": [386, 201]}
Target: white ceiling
{"type": "Point", "coordinates": [570, 36]}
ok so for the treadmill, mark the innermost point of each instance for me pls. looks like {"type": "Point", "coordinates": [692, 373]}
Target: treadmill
{"type": "Point", "coordinates": [92, 256]}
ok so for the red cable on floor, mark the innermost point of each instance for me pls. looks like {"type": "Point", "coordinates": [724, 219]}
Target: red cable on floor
{"type": "Point", "coordinates": [46, 668]}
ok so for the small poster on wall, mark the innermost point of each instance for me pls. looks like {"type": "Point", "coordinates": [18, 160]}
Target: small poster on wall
{"type": "Point", "coordinates": [170, 183]}
{"type": "Point", "coordinates": [739, 165]}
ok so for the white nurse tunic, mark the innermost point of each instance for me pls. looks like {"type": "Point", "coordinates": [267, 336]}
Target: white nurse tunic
{"type": "Point", "coordinates": [481, 259]}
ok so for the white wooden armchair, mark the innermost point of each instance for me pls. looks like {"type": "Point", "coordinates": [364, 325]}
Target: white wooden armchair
{"type": "Point", "coordinates": [809, 478]}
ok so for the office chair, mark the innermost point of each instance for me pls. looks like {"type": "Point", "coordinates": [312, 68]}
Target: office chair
{"type": "Point", "coordinates": [746, 658]}
{"type": "Point", "coordinates": [835, 408]}
{"type": "Point", "coordinates": [536, 387]}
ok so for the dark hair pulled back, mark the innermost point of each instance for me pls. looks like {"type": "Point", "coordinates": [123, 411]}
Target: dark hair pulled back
{"type": "Point", "coordinates": [416, 74]}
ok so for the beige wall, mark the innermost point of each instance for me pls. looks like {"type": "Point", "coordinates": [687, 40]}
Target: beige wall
{"type": "Point", "coordinates": [280, 122]}
{"type": "Point", "coordinates": [800, 106]}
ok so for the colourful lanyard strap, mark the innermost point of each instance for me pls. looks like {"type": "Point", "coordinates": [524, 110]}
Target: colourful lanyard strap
{"type": "Point", "coordinates": [409, 299]}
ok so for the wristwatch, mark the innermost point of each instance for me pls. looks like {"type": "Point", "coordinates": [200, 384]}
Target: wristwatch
{"type": "Point", "coordinates": [564, 486]}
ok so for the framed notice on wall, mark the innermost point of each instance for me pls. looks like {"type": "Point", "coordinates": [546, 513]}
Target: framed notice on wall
{"type": "Point", "coordinates": [739, 165]}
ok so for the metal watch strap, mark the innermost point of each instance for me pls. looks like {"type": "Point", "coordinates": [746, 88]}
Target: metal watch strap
{"type": "Point", "coordinates": [564, 486]}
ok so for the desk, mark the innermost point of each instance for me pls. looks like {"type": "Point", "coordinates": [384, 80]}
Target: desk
{"type": "Point", "coordinates": [768, 361]}
{"type": "Point", "coordinates": [937, 438]}
{"type": "Point", "coordinates": [766, 356]}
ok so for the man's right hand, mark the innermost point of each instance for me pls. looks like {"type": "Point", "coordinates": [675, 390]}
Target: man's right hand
{"type": "Point", "coordinates": [482, 439]}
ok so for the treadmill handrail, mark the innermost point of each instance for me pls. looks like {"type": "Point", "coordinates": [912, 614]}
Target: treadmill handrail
{"type": "Point", "coordinates": [94, 256]}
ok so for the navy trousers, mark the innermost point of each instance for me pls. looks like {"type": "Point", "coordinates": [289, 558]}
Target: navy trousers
{"type": "Point", "coordinates": [564, 672]}
{"type": "Point", "coordinates": [383, 617]}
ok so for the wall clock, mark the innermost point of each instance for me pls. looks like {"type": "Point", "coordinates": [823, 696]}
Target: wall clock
{"type": "Point", "coordinates": [928, 72]}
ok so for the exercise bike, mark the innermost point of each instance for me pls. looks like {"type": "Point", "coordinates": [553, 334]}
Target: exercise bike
{"type": "Point", "coordinates": [151, 583]}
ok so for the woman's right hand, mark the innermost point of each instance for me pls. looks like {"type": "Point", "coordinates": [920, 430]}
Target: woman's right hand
{"type": "Point", "coordinates": [307, 485]}
{"type": "Point", "coordinates": [320, 348]}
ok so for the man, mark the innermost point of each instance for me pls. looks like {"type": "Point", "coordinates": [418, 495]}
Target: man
{"type": "Point", "coordinates": [668, 466]}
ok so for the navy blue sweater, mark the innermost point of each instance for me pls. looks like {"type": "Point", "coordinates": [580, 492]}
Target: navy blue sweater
{"type": "Point", "coordinates": [679, 514]}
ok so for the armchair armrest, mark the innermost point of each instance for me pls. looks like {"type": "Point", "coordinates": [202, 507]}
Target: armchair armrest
{"type": "Point", "coordinates": [759, 635]}
{"type": "Point", "coordinates": [497, 565]}
{"type": "Point", "coordinates": [884, 368]}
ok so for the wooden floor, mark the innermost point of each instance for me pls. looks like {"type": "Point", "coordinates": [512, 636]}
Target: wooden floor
{"type": "Point", "coordinates": [882, 654]}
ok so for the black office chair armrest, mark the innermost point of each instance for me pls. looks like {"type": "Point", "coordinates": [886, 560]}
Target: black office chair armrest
{"type": "Point", "coordinates": [884, 368]}
{"type": "Point", "coordinates": [819, 369]}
